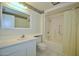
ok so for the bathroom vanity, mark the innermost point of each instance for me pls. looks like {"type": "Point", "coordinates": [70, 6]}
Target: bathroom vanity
{"type": "Point", "coordinates": [12, 18]}
{"type": "Point", "coordinates": [19, 47]}
{"type": "Point", "coordinates": [15, 21]}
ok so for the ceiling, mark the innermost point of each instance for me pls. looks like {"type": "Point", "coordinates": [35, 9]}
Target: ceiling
{"type": "Point", "coordinates": [42, 6]}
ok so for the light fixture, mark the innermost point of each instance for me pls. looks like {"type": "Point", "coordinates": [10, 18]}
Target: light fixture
{"type": "Point", "coordinates": [16, 5]}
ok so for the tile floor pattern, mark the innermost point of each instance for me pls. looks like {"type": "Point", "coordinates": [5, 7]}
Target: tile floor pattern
{"type": "Point", "coordinates": [52, 49]}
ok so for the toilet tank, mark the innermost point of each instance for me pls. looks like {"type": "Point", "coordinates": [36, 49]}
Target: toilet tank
{"type": "Point", "coordinates": [39, 38]}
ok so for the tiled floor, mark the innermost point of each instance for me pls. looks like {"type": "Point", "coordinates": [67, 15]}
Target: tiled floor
{"type": "Point", "coordinates": [53, 49]}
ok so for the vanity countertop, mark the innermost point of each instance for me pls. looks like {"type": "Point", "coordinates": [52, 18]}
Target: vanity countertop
{"type": "Point", "coordinates": [17, 40]}
{"type": "Point", "coordinates": [37, 34]}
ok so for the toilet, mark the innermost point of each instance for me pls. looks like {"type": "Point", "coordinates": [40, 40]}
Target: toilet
{"type": "Point", "coordinates": [40, 45]}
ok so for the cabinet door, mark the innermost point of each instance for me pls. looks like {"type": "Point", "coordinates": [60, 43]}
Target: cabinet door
{"type": "Point", "coordinates": [31, 48]}
{"type": "Point", "coordinates": [26, 49]}
{"type": "Point", "coordinates": [20, 50]}
{"type": "Point", "coordinates": [15, 50]}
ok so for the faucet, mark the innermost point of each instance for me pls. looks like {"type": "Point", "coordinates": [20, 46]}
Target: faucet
{"type": "Point", "coordinates": [22, 36]}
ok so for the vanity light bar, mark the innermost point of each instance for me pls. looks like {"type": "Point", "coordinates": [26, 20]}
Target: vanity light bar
{"type": "Point", "coordinates": [16, 5]}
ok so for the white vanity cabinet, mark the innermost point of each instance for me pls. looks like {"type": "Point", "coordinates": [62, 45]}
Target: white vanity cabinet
{"type": "Point", "coordinates": [26, 48]}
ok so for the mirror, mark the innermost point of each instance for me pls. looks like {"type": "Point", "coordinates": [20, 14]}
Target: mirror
{"type": "Point", "coordinates": [14, 19]}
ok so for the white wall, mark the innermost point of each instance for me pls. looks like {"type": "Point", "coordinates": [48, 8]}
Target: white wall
{"type": "Point", "coordinates": [70, 35]}
{"type": "Point", "coordinates": [77, 43]}
{"type": "Point", "coordinates": [35, 27]}
{"type": "Point", "coordinates": [43, 25]}
{"type": "Point", "coordinates": [0, 14]}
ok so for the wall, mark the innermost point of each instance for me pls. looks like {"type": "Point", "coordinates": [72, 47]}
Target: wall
{"type": "Point", "coordinates": [0, 14]}
{"type": "Point", "coordinates": [68, 21]}
{"type": "Point", "coordinates": [43, 27]}
{"type": "Point", "coordinates": [77, 43]}
{"type": "Point", "coordinates": [55, 27]}
{"type": "Point", "coordinates": [54, 33]}
{"type": "Point", "coordinates": [69, 40]}
{"type": "Point", "coordinates": [35, 27]}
